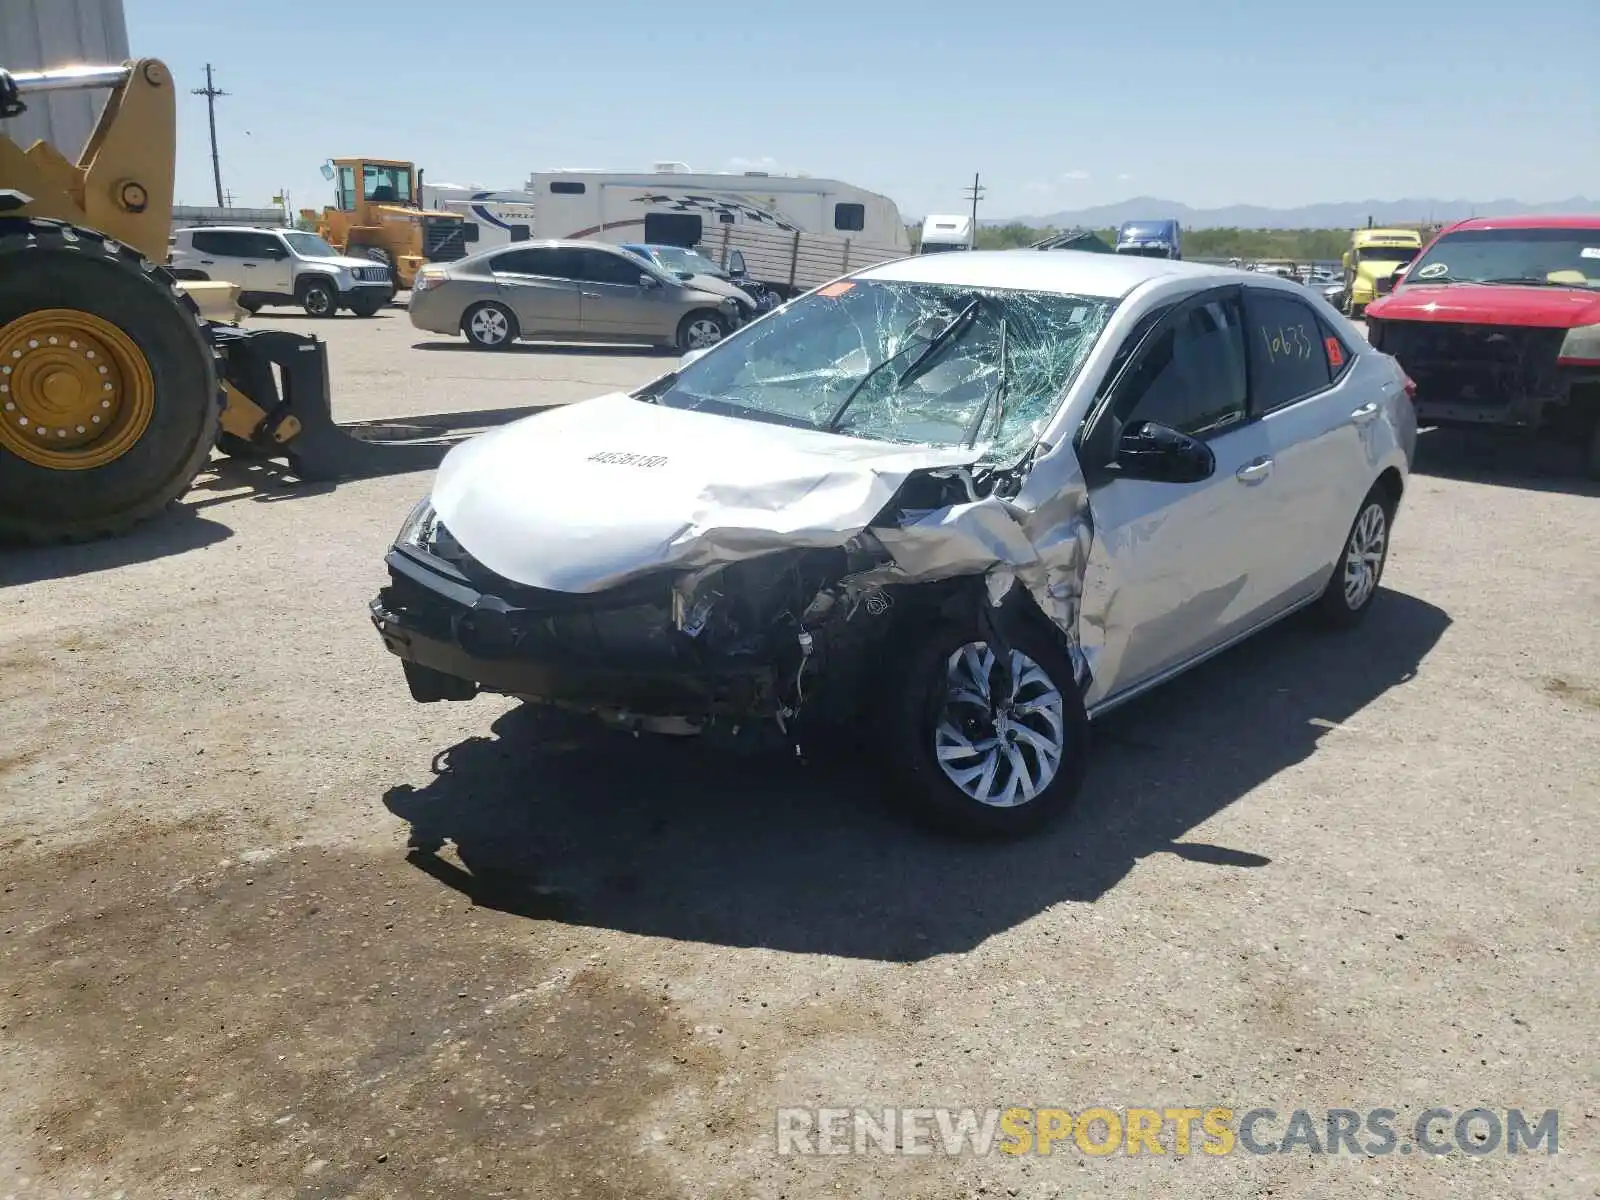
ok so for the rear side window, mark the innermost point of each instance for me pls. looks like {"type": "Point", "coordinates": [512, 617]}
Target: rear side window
{"type": "Point", "coordinates": [208, 241]}
{"type": "Point", "coordinates": [1337, 351]}
{"type": "Point", "coordinates": [852, 218]}
{"type": "Point", "coordinates": [556, 264]}
{"type": "Point", "coordinates": [1288, 360]}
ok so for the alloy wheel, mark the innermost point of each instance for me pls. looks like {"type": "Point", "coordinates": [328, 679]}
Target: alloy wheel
{"type": "Point", "coordinates": [1000, 735]}
{"type": "Point", "coordinates": [489, 326]}
{"type": "Point", "coordinates": [703, 332]}
{"type": "Point", "coordinates": [1363, 556]}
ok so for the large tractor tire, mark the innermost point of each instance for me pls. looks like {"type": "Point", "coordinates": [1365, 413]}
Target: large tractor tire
{"type": "Point", "coordinates": [109, 397]}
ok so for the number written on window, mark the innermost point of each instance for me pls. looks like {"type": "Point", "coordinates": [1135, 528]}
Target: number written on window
{"type": "Point", "coordinates": [1287, 341]}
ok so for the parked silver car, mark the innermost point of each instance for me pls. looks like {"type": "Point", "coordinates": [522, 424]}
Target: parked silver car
{"type": "Point", "coordinates": [567, 291]}
{"type": "Point", "coordinates": [960, 504]}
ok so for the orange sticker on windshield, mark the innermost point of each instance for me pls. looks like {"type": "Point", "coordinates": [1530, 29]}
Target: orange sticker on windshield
{"type": "Point", "coordinates": [1335, 351]}
{"type": "Point", "coordinates": [836, 289]}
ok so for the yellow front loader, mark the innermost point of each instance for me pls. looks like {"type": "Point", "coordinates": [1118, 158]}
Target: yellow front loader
{"type": "Point", "coordinates": [377, 214]}
{"type": "Point", "coordinates": [116, 382]}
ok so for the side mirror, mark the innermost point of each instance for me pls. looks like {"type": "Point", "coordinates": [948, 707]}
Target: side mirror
{"type": "Point", "coordinates": [649, 281]}
{"type": "Point", "coordinates": [1163, 455]}
{"type": "Point", "coordinates": [469, 232]}
{"type": "Point", "coordinates": [327, 171]}
{"type": "Point", "coordinates": [692, 356]}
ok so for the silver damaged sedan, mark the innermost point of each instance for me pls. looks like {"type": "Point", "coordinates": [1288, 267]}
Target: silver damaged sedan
{"type": "Point", "coordinates": [957, 506]}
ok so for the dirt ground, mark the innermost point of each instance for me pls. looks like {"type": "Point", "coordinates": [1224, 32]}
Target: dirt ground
{"type": "Point", "coordinates": [270, 929]}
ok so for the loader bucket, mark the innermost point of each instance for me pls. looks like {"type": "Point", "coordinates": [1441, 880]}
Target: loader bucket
{"type": "Point", "coordinates": [295, 421]}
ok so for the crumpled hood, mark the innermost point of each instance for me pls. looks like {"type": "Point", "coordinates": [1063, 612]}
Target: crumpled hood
{"type": "Point", "coordinates": [1490, 304]}
{"type": "Point", "coordinates": [587, 496]}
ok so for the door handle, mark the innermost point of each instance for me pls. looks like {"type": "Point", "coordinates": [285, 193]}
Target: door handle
{"type": "Point", "coordinates": [206, 262]}
{"type": "Point", "coordinates": [590, 295]}
{"type": "Point", "coordinates": [1254, 471]}
{"type": "Point", "coordinates": [248, 266]}
{"type": "Point", "coordinates": [1365, 413]}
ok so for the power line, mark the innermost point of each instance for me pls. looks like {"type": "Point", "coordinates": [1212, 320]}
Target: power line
{"type": "Point", "coordinates": [974, 193]}
{"type": "Point", "coordinates": [211, 92]}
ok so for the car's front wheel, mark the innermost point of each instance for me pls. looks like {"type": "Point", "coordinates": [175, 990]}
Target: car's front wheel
{"type": "Point", "coordinates": [986, 741]}
{"type": "Point", "coordinates": [489, 326]}
{"type": "Point", "coordinates": [1354, 584]}
{"type": "Point", "coordinates": [318, 298]}
{"type": "Point", "coordinates": [701, 330]}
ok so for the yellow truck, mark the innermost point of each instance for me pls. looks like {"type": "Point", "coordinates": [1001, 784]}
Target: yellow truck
{"type": "Point", "coordinates": [1370, 263]}
{"type": "Point", "coordinates": [377, 215]}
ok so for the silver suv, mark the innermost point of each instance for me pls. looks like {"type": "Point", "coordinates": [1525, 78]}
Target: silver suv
{"type": "Point", "coordinates": [281, 266]}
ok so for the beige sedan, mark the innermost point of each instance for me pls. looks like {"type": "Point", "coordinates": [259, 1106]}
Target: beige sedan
{"type": "Point", "coordinates": [570, 292]}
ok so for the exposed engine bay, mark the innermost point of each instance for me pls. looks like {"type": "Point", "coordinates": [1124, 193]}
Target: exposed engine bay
{"type": "Point", "coordinates": [1481, 374]}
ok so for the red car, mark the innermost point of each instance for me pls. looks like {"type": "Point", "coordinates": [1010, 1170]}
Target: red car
{"type": "Point", "coordinates": [1498, 323]}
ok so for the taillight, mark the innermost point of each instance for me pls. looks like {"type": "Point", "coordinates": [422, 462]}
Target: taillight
{"type": "Point", "coordinates": [1580, 348]}
{"type": "Point", "coordinates": [1410, 386]}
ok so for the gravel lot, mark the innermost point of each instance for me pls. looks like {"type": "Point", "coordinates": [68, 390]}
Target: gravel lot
{"type": "Point", "coordinates": [272, 930]}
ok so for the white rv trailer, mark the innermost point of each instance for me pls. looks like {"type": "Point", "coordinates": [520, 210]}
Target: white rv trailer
{"type": "Point", "coordinates": [672, 205]}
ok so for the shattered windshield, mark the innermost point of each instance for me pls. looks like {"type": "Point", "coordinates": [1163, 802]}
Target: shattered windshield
{"type": "Point", "coordinates": [904, 362]}
{"type": "Point", "coordinates": [1561, 257]}
{"type": "Point", "coordinates": [675, 259]}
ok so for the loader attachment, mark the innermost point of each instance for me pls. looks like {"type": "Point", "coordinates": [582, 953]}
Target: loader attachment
{"type": "Point", "coordinates": [279, 407]}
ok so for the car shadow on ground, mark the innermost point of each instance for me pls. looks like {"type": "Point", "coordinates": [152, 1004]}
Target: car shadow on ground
{"type": "Point", "coordinates": [577, 349]}
{"type": "Point", "coordinates": [176, 531]}
{"type": "Point", "coordinates": [298, 314]}
{"type": "Point", "coordinates": [1505, 458]}
{"type": "Point", "coordinates": [671, 840]}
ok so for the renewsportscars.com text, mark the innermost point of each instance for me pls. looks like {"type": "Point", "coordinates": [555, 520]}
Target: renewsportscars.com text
{"type": "Point", "coordinates": [1179, 1131]}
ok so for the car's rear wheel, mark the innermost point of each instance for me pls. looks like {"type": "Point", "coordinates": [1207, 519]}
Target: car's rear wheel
{"type": "Point", "coordinates": [700, 330]}
{"type": "Point", "coordinates": [988, 742]}
{"type": "Point", "coordinates": [1354, 585]}
{"type": "Point", "coordinates": [489, 326]}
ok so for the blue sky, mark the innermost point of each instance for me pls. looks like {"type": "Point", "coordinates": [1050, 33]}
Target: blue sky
{"type": "Point", "coordinates": [1059, 106]}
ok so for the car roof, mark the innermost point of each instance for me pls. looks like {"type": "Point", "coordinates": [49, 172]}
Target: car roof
{"type": "Point", "coordinates": [1076, 272]}
{"type": "Point", "coordinates": [1530, 221]}
{"type": "Point", "coordinates": [231, 229]}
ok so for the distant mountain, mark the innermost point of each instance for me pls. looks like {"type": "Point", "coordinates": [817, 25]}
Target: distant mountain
{"type": "Point", "coordinates": [1348, 215]}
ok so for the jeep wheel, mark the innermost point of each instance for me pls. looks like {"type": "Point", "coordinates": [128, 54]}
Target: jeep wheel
{"type": "Point", "coordinates": [318, 298]}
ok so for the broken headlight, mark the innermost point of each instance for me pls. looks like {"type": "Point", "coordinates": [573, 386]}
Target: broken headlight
{"type": "Point", "coordinates": [417, 530]}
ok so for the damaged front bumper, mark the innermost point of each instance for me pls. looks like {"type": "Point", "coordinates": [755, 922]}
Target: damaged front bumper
{"type": "Point", "coordinates": [613, 651]}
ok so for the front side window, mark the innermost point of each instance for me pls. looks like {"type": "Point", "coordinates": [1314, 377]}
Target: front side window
{"type": "Point", "coordinates": [1288, 358]}
{"type": "Point", "coordinates": [309, 245]}
{"type": "Point", "coordinates": [904, 362]}
{"type": "Point", "coordinates": [1192, 376]}
{"type": "Point", "coordinates": [598, 266]}
{"type": "Point", "coordinates": [1538, 257]}
{"type": "Point", "coordinates": [386, 184]}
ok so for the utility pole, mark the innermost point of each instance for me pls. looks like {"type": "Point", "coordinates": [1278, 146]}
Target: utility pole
{"type": "Point", "coordinates": [975, 192]}
{"type": "Point", "coordinates": [211, 92]}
